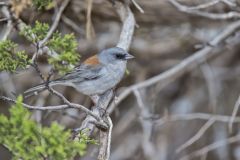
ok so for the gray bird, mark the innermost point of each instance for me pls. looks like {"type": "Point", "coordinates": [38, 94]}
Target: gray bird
{"type": "Point", "coordinates": [95, 75]}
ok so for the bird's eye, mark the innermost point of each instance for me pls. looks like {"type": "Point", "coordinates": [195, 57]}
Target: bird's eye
{"type": "Point", "coordinates": [120, 56]}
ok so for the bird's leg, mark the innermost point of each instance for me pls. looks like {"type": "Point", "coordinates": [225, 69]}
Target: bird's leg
{"type": "Point", "coordinates": [95, 99]}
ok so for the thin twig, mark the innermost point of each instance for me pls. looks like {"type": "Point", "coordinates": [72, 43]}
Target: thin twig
{"type": "Point", "coordinates": [137, 6]}
{"type": "Point", "coordinates": [72, 24]}
{"type": "Point", "coordinates": [187, 64]}
{"type": "Point", "coordinates": [195, 116]}
{"type": "Point", "coordinates": [55, 23]}
{"type": "Point", "coordinates": [147, 126]}
{"type": "Point", "coordinates": [197, 136]}
{"type": "Point", "coordinates": [89, 26]}
{"type": "Point", "coordinates": [234, 113]}
{"type": "Point", "coordinates": [58, 107]}
{"type": "Point", "coordinates": [204, 5]}
{"type": "Point", "coordinates": [215, 16]}
{"type": "Point", "coordinates": [211, 147]}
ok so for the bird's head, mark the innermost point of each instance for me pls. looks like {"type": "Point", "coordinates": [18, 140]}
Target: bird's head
{"type": "Point", "coordinates": [113, 55]}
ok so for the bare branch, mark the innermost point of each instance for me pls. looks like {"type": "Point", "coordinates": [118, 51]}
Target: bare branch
{"type": "Point", "coordinates": [198, 135]}
{"type": "Point", "coordinates": [147, 127]}
{"type": "Point", "coordinates": [105, 141]}
{"type": "Point", "coordinates": [137, 6]}
{"type": "Point", "coordinates": [72, 24]}
{"type": "Point", "coordinates": [211, 147]}
{"type": "Point", "coordinates": [215, 16]}
{"type": "Point", "coordinates": [186, 65]}
{"type": "Point", "coordinates": [128, 20]}
{"type": "Point", "coordinates": [58, 107]}
{"type": "Point", "coordinates": [234, 113]}
{"type": "Point", "coordinates": [195, 116]}
{"type": "Point", "coordinates": [202, 6]}
{"type": "Point", "coordinates": [7, 29]}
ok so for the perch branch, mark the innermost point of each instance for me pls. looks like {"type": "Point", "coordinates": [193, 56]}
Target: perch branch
{"type": "Point", "coordinates": [105, 141]}
{"type": "Point", "coordinates": [58, 107]}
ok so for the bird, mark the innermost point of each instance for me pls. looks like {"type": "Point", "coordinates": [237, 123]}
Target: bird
{"type": "Point", "coordinates": [95, 76]}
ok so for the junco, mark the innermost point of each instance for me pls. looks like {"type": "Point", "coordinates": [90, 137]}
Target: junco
{"type": "Point", "coordinates": [95, 75]}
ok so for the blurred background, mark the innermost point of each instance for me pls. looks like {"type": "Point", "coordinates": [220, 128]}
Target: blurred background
{"type": "Point", "coordinates": [171, 114]}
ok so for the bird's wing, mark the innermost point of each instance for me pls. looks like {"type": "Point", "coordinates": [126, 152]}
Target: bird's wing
{"type": "Point", "coordinates": [89, 69]}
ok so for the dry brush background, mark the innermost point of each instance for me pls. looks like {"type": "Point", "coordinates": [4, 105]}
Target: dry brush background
{"type": "Point", "coordinates": [186, 113]}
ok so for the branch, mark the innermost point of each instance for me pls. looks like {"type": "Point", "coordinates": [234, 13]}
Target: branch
{"type": "Point", "coordinates": [58, 107]}
{"type": "Point", "coordinates": [147, 126]}
{"type": "Point", "coordinates": [198, 135]}
{"type": "Point", "coordinates": [213, 146]}
{"type": "Point", "coordinates": [128, 20]}
{"type": "Point", "coordinates": [195, 116]}
{"type": "Point", "coordinates": [234, 113]}
{"type": "Point", "coordinates": [7, 29]}
{"type": "Point", "coordinates": [215, 16]}
{"type": "Point", "coordinates": [184, 66]}
{"type": "Point", "coordinates": [55, 23]}
{"type": "Point", "coordinates": [105, 141]}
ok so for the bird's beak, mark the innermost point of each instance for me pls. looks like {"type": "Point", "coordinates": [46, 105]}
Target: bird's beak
{"type": "Point", "coordinates": [129, 56]}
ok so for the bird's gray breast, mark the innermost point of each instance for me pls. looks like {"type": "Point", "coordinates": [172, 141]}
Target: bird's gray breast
{"type": "Point", "coordinates": [109, 76]}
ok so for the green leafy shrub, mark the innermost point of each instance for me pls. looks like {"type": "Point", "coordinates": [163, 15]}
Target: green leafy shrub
{"type": "Point", "coordinates": [10, 58]}
{"type": "Point", "coordinates": [40, 4]}
{"type": "Point", "coordinates": [67, 46]}
{"type": "Point", "coordinates": [27, 140]}
{"type": "Point", "coordinates": [64, 45]}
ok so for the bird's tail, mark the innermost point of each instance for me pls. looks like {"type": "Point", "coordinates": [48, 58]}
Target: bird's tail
{"type": "Point", "coordinates": [39, 88]}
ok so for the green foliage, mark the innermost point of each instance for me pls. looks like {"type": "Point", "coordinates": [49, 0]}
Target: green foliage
{"type": "Point", "coordinates": [40, 4]}
{"type": "Point", "coordinates": [10, 59]}
{"type": "Point", "coordinates": [65, 46]}
{"type": "Point", "coordinates": [36, 33]}
{"type": "Point", "coordinates": [28, 140]}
